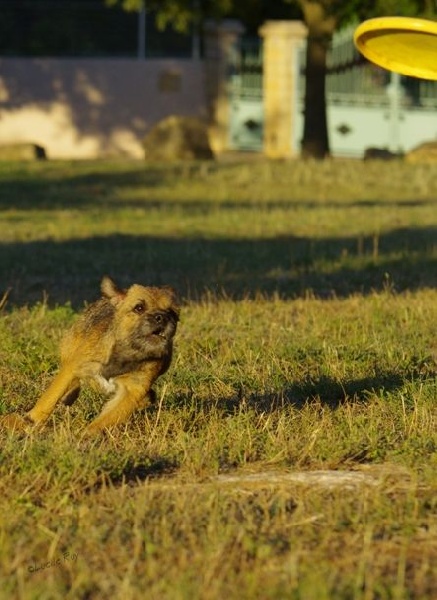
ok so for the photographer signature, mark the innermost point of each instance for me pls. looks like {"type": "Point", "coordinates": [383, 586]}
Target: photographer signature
{"type": "Point", "coordinates": [55, 562]}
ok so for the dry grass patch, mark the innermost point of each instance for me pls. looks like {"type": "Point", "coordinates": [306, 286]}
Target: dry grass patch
{"type": "Point", "coordinates": [307, 345]}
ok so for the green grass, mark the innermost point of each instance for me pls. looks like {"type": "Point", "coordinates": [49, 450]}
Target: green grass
{"type": "Point", "coordinates": [307, 342]}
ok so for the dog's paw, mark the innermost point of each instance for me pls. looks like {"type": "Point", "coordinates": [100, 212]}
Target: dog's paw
{"type": "Point", "coordinates": [92, 430]}
{"type": "Point", "coordinates": [15, 423]}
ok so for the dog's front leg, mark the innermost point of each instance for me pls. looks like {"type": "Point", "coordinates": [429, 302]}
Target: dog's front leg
{"type": "Point", "coordinates": [64, 385]}
{"type": "Point", "coordinates": [130, 395]}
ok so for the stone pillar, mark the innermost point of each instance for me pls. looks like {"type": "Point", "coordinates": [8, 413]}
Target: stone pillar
{"type": "Point", "coordinates": [221, 44]}
{"type": "Point", "coordinates": [282, 40]}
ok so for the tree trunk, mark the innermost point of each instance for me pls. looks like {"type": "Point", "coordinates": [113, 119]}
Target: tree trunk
{"type": "Point", "coordinates": [321, 26]}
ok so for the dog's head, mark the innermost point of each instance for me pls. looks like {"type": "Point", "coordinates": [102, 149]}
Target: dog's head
{"type": "Point", "coordinates": [145, 318]}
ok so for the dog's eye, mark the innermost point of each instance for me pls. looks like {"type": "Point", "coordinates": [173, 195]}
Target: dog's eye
{"type": "Point", "coordinates": [139, 308]}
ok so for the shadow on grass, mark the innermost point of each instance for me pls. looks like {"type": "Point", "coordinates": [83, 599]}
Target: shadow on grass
{"type": "Point", "coordinates": [70, 271]}
{"type": "Point", "coordinates": [325, 391]}
{"type": "Point", "coordinates": [69, 190]}
{"type": "Point", "coordinates": [330, 392]}
{"type": "Point", "coordinates": [133, 472]}
{"type": "Point", "coordinates": [89, 190]}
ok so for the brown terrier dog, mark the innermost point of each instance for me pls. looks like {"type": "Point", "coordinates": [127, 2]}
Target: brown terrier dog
{"type": "Point", "coordinates": [123, 343]}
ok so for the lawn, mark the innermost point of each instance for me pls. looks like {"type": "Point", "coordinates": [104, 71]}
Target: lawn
{"type": "Point", "coordinates": [307, 347]}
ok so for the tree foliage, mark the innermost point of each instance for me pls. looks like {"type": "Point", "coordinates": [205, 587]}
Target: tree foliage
{"type": "Point", "coordinates": [182, 14]}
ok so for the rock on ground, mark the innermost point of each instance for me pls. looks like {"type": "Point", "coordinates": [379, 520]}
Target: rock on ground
{"type": "Point", "coordinates": [22, 151]}
{"type": "Point", "coordinates": [426, 152]}
{"type": "Point", "coordinates": [178, 138]}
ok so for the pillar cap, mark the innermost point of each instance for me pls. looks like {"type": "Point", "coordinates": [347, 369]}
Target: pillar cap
{"type": "Point", "coordinates": [291, 29]}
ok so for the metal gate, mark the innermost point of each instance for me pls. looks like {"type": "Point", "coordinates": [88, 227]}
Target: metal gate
{"type": "Point", "coordinates": [368, 106]}
{"type": "Point", "coordinates": [246, 96]}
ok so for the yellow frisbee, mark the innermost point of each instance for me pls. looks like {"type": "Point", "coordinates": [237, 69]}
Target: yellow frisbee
{"type": "Point", "coordinates": [402, 44]}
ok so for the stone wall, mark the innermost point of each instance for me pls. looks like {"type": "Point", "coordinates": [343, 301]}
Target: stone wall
{"type": "Point", "coordinates": [94, 108]}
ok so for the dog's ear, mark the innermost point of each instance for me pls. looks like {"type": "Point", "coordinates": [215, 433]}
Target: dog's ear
{"type": "Point", "coordinates": [173, 298]}
{"type": "Point", "coordinates": [111, 291]}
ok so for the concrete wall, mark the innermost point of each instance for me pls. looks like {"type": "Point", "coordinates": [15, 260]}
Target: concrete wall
{"type": "Point", "coordinates": [94, 108]}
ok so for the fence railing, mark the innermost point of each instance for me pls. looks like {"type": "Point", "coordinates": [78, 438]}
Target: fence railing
{"type": "Point", "coordinates": [353, 81]}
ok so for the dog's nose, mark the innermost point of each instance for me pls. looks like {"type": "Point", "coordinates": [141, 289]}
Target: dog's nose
{"type": "Point", "coordinates": [160, 318]}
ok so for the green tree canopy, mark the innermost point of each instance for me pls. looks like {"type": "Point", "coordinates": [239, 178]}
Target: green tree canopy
{"type": "Point", "coordinates": [181, 14]}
